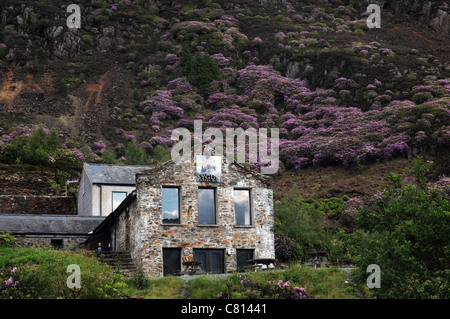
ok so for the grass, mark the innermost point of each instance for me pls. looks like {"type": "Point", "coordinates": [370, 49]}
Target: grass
{"type": "Point", "coordinates": [50, 266]}
{"type": "Point", "coordinates": [321, 283]}
{"type": "Point", "coordinates": [163, 288]}
{"type": "Point", "coordinates": [204, 287]}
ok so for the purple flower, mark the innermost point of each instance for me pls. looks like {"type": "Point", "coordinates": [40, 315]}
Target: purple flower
{"type": "Point", "coordinates": [8, 281]}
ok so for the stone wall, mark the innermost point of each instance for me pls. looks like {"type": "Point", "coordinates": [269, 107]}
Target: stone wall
{"type": "Point", "coordinates": [124, 230]}
{"type": "Point", "coordinates": [37, 205]}
{"type": "Point", "coordinates": [148, 236]}
{"type": "Point", "coordinates": [68, 243]}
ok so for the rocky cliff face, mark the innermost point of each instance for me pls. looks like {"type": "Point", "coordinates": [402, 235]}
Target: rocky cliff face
{"type": "Point", "coordinates": [434, 14]}
{"type": "Point", "coordinates": [120, 77]}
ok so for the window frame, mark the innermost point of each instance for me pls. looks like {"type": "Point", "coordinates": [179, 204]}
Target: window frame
{"type": "Point", "coordinates": [178, 188]}
{"type": "Point", "coordinates": [250, 209]}
{"type": "Point", "coordinates": [214, 189]}
{"type": "Point", "coordinates": [112, 199]}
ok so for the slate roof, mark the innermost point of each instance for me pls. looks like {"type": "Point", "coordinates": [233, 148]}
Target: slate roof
{"type": "Point", "coordinates": [113, 174]}
{"type": "Point", "coordinates": [54, 225]}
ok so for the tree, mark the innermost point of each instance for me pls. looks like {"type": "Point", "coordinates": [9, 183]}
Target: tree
{"type": "Point", "coordinates": [36, 149]}
{"type": "Point", "coordinates": [161, 154]}
{"type": "Point", "coordinates": [406, 232]}
{"type": "Point", "coordinates": [200, 70]}
{"type": "Point", "coordinates": [53, 142]}
{"type": "Point", "coordinates": [134, 154]}
{"type": "Point", "coordinates": [109, 156]}
{"type": "Point", "coordinates": [300, 220]}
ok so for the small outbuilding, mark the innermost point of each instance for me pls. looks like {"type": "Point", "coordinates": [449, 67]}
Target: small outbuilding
{"type": "Point", "coordinates": [58, 231]}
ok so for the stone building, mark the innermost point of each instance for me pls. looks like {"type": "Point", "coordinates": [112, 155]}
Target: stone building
{"type": "Point", "coordinates": [211, 211]}
{"type": "Point", "coordinates": [57, 231]}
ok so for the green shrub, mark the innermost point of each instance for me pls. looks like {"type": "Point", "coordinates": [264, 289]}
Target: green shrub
{"type": "Point", "coordinates": [36, 149]}
{"type": "Point", "coordinates": [320, 283]}
{"type": "Point", "coordinates": [140, 281]}
{"type": "Point", "coordinates": [247, 287]}
{"type": "Point", "coordinates": [68, 84]}
{"type": "Point", "coordinates": [18, 284]}
{"type": "Point", "coordinates": [300, 220]}
{"type": "Point", "coordinates": [42, 273]}
{"type": "Point", "coordinates": [405, 231]}
{"type": "Point", "coordinates": [200, 70]}
{"type": "Point", "coordinates": [7, 240]}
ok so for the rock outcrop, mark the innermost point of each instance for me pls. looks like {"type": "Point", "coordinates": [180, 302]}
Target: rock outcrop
{"type": "Point", "coordinates": [434, 14]}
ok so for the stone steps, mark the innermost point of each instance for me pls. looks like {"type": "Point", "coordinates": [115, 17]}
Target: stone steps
{"type": "Point", "coordinates": [121, 261]}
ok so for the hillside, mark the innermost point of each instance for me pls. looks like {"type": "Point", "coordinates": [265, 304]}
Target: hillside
{"type": "Point", "coordinates": [346, 98]}
{"type": "Point", "coordinates": [357, 109]}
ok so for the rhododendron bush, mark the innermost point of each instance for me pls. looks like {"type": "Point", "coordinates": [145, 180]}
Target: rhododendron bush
{"type": "Point", "coordinates": [316, 127]}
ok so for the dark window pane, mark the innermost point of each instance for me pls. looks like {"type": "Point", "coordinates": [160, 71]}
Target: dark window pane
{"type": "Point", "coordinates": [170, 205]}
{"type": "Point", "coordinates": [212, 259]}
{"type": "Point", "coordinates": [206, 206]}
{"type": "Point", "coordinates": [242, 206]}
{"type": "Point", "coordinates": [117, 198]}
{"type": "Point", "coordinates": [171, 261]}
{"type": "Point", "coordinates": [201, 256]}
{"type": "Point", "coordinates": [215, 262]}
{"type": "Point", "coordinates": [242, 255]}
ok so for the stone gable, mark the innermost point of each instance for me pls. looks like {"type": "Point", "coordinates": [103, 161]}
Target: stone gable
{"type": "Point", "coordinates": [149, 236]}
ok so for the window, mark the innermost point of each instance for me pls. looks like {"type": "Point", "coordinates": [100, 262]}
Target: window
{"type": "Point", "coordinates": [117, 199]}
{"type": "Point", "coordinates": [212, 260]}
{"type": "Point", "coordinates": [242, 256]}
{"type": "Point", "coordinates": [57, 243]}
{"type": "Point", "coordinates": [242, 206]}
{"type": "Point", "coordinates": [206, 206]}
{"type": "Point", "coordinates": [171, 261]}
{"type": "Point", "coordinates": [170, 205]}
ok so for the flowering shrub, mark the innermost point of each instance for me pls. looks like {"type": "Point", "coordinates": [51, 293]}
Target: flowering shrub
{"type": "Point", "coordinates": [220, 100]}
{"type": "Point", "coordinates": [26, 273]}
{"type": "Point", "coordinates": [442, 185]}
{"type": "Point", "coordinates": [8, 287]}
{"type": "Point", "coordinates": [287, 248]}
{"type": "Point", "coordinates": [99, 147]}
{"type": "Point", "coordinates": [180, 86]}
{"type": "Point", "coordinates": [16, 284]}
{"type": "Point", "coordinates": [162, 102]}
{"type": "Point", "coordinates": [221, 60]}
{"type": "Point", "coordinates": [251, 288]}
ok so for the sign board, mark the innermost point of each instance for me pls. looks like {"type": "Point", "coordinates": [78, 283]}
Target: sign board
{"type": "Point", "coordinates": [209, 168]}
